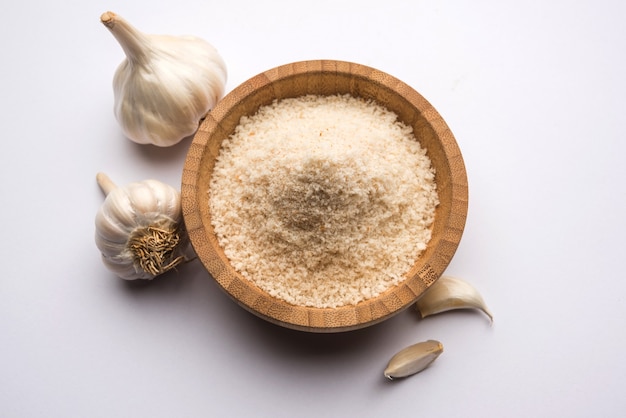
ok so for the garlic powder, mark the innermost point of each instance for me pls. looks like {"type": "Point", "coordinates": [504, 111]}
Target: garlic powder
{"type": "Point", "coordinates": [323, 201]}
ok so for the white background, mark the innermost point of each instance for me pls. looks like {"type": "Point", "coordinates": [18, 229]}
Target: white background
{"type": "Point", "coordinates": [534, 92]}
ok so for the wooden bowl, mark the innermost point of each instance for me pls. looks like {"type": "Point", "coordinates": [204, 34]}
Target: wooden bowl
{"type": "Point", "coordinates": [326, 77]}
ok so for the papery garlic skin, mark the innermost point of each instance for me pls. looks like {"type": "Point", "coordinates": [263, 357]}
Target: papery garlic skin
{"type": "Point", "coordinates": [166, 84]}
{"type": "Point", "coordinates": [132, 221]}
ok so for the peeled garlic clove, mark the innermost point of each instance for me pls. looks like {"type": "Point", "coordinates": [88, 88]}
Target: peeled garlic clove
{"type": "Point", "coordinates": [450, 293]}
{"type": "Point", "coordinates": [413, 359]}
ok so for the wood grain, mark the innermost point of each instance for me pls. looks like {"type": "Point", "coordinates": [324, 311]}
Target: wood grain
{"type": "Point", "coordinates": [327, 77]}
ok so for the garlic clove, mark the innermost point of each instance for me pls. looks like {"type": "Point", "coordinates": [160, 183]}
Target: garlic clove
{"type": "Point", "coordinates": [450, 293]}
{"type": "Point", "coordinates": [110, 229]}
{"type": "Point", "coordinates": [148, 196]}
{"type": "Point", "coordinates": [413, 359]}
{"type": "Point", "coordinates": [166, 84]}
{"type": "Point", "coordinates": [116, 208]}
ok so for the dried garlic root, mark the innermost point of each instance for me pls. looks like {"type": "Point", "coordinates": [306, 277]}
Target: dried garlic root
{"type": "Point", "coordinates": [413, 359]}
{"type": "Point", "coordinates": [450, 293]}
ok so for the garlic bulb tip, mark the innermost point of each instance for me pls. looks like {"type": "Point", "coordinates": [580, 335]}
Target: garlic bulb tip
{"type": "Point", "coordinates": [107, 18]}
{"type": "Point", "coordinates": [105, 183]}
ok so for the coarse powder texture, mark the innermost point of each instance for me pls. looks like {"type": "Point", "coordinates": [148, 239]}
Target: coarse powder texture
{"type": "Point", "coordinates": [323, 201]}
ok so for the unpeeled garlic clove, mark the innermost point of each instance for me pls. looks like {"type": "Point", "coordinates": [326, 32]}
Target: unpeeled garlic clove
{"type": "Point", "coordinates": [413, 359]}
{"type": "Point", "coordinates": [450, 293]}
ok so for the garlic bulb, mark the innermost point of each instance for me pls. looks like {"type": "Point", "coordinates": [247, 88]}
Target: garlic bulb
{"type": "Point", "coordinates": [166, 84]}
{"type": "Point", "coordinates": [139, 228]}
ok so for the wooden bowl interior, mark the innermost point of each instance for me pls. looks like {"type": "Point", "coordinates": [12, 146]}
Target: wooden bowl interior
{"type": "Point", "coordinates": [326, 78]}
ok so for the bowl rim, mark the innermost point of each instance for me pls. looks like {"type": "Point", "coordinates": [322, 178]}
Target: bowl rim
{"type": "Point", "coordinates": [321, 320]}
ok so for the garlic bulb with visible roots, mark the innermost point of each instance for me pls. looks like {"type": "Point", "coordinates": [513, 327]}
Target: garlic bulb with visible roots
{"type": "Point", "coordinates": [139, 228]}
{"type": "Point", "coordinates": [166, 84]}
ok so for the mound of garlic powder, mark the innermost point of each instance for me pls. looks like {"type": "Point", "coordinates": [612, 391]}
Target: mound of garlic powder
{"type": "Point", "coordinates": [323, 201]}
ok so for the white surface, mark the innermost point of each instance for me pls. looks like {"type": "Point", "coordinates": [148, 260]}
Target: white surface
{"type": "Point", "coordinates": [534, 92]}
